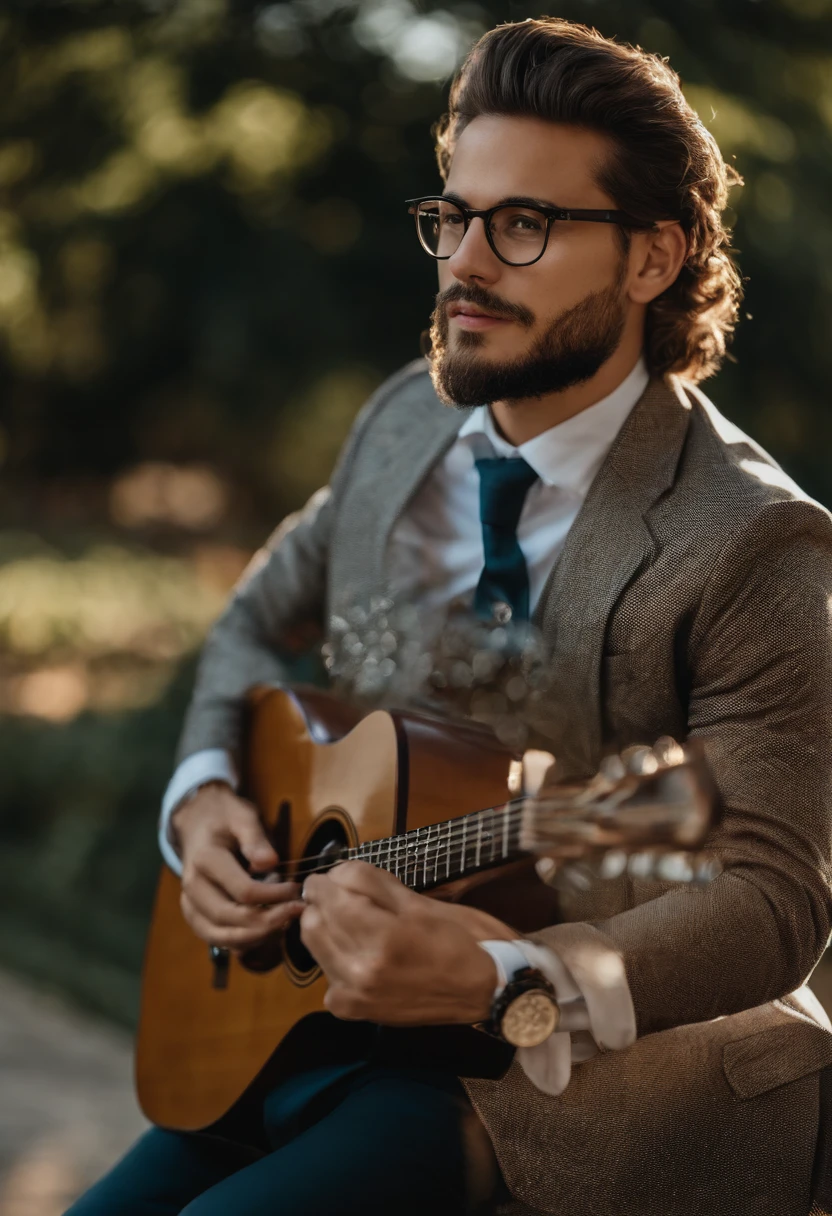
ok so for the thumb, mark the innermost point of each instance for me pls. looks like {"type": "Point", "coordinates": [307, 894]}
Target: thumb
{"type": "Point", "coordinates": [253, 841]}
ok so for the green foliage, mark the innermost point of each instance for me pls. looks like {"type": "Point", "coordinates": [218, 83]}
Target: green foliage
{"type": "Point", "coordinates": [78, 811]}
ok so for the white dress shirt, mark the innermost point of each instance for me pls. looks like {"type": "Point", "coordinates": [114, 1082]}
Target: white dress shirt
{"type": "Point", "coordinates": [435, 555]}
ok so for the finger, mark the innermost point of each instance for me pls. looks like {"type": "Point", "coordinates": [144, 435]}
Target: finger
{"type": "Point", "coordinates": [342, 910]}
{"type": "Point", "coordinates": [314, 933]}
{"type": "Point", "coordinates": [382, 888]}
{"type": "Point", "coordinates": [215, 905]}
{"type": "Point", "coordinates": [229, 936]}
{"type": "Point", "coordinates": [222, 869]}
{"type": "Point", "coordinates": [343, 929]}
{"type": "Point", "coordinates": [252, 841]}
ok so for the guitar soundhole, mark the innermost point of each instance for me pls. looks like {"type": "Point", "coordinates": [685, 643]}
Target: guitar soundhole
{"type": "Point", "coordinates": [325, 846]}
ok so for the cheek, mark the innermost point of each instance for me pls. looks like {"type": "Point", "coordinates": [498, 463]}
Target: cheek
{"type": "Point", "coordinates": [444, 276]}
{"type": "Point", "coordinates": [578, 263]}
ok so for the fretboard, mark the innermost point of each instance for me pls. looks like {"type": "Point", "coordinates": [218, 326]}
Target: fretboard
{"type": "Point", "coordinates": [427, 857]}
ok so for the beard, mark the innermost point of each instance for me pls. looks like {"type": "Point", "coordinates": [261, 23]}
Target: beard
{"type": "Point", "coordinates": [571, 350]}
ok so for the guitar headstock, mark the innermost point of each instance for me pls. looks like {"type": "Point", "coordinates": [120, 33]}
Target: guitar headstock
{"type": "Point", "coordinates": [647, 810]}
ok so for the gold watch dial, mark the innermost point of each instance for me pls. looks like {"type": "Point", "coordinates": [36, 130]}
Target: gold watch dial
{"type": "Point", "coordinates": [530, 1019]}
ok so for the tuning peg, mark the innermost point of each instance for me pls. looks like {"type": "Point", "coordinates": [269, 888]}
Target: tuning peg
{"type": "Point", "coordinates": [707, 869]}
{"type": "Point", "coordinates": [668, 752]}
{"type": "Point", "coordinates": [613, 864]}
{"type": "Point", "coordinates": [576, 876]}
{"type": "Point", "coordinates": [675, 867]}
{"type": "Point", "coordinates": [642, 865]}
{"type": "Point", "coordinates": [639, 760]}
{"type": "Point", "coordinates": [535, 766]}
{"type": "Point", "coordinates": [612, 768]}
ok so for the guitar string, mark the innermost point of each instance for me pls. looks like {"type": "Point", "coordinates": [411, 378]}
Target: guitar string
{"type": "Point", "coordinates": [406, 840]}
{"type": "Point", "coordinates": [510, 811]}
{"type": "Point", "coordinates": [449, 862]}
{"type": "Point", "coordinates": [407, 849]}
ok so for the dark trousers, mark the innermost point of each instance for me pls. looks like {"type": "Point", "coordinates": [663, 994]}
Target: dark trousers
{"type": "Point", "coordinates": [351, 1140]}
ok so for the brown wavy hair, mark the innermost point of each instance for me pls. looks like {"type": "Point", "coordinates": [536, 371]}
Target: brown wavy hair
{"type": "Point", "coordinates": [664, 164]}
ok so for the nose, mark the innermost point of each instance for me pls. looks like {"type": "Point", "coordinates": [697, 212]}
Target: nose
{"type": "Point", "coordinates": [475, 259]}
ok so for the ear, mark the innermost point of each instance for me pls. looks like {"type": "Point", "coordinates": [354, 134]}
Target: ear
{"type": "Point", "coordinates": [656, 257]}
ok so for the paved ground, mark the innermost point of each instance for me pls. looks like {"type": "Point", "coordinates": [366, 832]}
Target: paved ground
{"type": "Point", "coordinates": [66, 1101]}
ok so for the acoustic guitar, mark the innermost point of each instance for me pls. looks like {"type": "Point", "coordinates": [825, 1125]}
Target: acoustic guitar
{"type": "Point", "coordinates": [427, 799]}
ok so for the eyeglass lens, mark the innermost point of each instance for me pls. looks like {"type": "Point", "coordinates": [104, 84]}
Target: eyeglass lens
{"type": "Point", "coordinates": [518, 234]}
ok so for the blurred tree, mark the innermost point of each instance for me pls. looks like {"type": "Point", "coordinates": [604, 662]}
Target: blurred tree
{"type": "Point", "coordinates": [204, 252]}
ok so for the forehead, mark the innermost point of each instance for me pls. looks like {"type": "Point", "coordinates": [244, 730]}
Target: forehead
{"type": "Point", "coordinates": [498, 157]}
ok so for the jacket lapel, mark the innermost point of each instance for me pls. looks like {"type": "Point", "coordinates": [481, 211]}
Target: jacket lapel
{"type": "Point", "coordinates": [406, 442]}
{"type": "Point", "coordinates": [606, 546]}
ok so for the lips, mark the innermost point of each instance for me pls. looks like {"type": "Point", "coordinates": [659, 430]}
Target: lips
{"type": "Point", "coordinates": [471, 310]}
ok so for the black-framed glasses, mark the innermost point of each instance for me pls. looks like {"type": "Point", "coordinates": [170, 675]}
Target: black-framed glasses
{"type": "Point", "coordinates": [518, 232]}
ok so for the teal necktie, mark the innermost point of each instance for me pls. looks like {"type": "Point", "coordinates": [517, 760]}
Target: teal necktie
{"type": "Point", "coordinates": [504, 485]}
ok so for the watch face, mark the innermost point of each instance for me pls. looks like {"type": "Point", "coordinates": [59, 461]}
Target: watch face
{"type": "Point", "coordinates": [530, 1019]}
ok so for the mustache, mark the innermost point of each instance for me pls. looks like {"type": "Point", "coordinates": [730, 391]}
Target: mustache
{"type": "Point", "coordinates": [480, 298]}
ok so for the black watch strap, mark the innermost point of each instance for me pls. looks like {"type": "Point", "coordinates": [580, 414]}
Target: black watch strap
{"type": "Point", "coordinates": [528, 980]}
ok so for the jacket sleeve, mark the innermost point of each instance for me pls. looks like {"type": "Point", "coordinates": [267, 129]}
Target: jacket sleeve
{"type": "Point", "coordinates": [276, 608]}
{"type": "Point", "coordinates": [759, 673]}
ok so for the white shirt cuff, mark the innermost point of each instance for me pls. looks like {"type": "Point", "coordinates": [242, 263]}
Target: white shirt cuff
{"type": "Point", "coordinates": [211, 764]}
{"type": "Point", "coordinates": [597, 1011]}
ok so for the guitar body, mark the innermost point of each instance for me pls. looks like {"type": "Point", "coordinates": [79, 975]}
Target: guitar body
{"type": "Point", "coordinates": [329, 785]}
{"type": "Point", "coordinates": [319, 777]}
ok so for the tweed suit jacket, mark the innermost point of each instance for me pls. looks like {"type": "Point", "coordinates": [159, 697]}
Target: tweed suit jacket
{"type": "Point", "coordinates": [692, 597]}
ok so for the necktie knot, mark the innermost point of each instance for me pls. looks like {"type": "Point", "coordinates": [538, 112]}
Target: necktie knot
{"type": "Point", "coordinates": [504, 484]}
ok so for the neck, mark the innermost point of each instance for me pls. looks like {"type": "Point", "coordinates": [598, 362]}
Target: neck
{"type": "Point", "coordinates": [522, 420]}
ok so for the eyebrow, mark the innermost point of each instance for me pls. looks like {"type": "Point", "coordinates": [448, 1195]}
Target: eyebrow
{"type": "Point", "coordinates": [514, 199]}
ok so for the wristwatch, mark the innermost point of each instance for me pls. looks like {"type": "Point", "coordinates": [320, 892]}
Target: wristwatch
{"type": "Point", "coordinates": [525, 1012]}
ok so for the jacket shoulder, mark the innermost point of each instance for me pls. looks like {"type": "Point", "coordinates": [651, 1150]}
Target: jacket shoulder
{"type": "Point", "coordinates": [409, 383]}
{"type": "Point", "coordinates": [737, 483]}
{"type": "Point", "coordinates": [408, 388]}
{"type": "Point", "coordinates": [394, 397]}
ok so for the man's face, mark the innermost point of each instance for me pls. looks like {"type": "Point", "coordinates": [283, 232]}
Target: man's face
{"type": "Point", "coordinates": [558, 320]}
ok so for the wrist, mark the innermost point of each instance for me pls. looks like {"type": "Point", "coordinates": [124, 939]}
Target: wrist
{"type": "Point", "coordinates": [485, 981]}
{"type": "Point", "coordinates": [508, 958]}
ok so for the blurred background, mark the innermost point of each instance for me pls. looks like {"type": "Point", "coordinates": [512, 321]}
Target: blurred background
{"type": "Point", "coordinates": [205, 267]}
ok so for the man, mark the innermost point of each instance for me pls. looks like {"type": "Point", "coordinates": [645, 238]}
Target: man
{"type": "Point", "coordinates": [682, 583]}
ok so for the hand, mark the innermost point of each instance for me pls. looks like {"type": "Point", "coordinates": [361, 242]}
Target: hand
{"type": "Point", "coordinates": [220, 901]}
{"type": "Point", "coordinates": [393, 956]}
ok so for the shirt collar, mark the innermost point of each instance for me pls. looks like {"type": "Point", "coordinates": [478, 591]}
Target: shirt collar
{"type": "Point", "coordinates": [569, 454]}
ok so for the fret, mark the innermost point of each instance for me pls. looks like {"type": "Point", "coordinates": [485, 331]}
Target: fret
{"type": "Point", "coordinates": [416, 857]}
{"type": "Point", "coordinates": [407, 852]}
{"type": "Point", "coordinates": [417, 839]}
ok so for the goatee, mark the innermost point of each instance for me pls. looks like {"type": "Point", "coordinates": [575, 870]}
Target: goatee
{"type": "Point", "coordinates": [570, 350]}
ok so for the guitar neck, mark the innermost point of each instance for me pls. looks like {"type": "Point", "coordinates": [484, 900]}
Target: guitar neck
{"type": "Point", "coordinates": [431, 856]}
